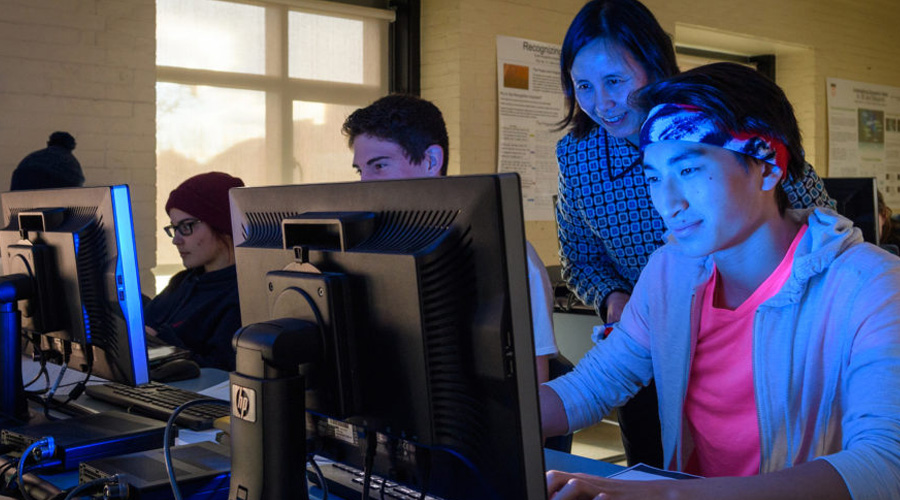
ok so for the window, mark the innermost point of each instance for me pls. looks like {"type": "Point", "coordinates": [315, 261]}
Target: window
{"type": "Point", "coordinates": [260, 90]}
{"type": "Point", "coordinates": [690, 58]}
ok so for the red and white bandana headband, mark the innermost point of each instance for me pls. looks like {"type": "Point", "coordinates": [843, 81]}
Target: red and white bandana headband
{"type": "Point", "coordinates": [680, 122]}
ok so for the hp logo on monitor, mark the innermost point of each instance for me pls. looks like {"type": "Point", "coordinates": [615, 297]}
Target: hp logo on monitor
{"type": "Point", "coordinates": [243, 403]}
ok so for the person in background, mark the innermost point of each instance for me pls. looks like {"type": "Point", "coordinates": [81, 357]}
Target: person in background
{"type": "Point", "coordinates": [399, 136]}
{"type": "Point", "coordinates": [402, 136]}
{"type": "Point", "coordinates": [199, 309]}
{"type": "Point", "coordinates": [608, 227]}
{"type": "Point", "coordinates": [52, 167]}
{"type": "Point", "coordinates": [773, 334]}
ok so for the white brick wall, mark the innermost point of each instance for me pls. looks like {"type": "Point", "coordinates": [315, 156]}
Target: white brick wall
{"type": "Point", "coordinates": [86, 67]}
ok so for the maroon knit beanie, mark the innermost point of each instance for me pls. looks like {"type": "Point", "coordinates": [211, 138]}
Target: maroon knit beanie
{"type": "Point", "coordinates": [205, 196]}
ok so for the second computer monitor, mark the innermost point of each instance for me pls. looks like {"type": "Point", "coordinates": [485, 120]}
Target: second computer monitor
{"type": "Point", "coordinates": [420, 290]}
{"type": "Point", "coordinates": [76, 248]}
{"type": "Point", "coordinates": [857, 199]}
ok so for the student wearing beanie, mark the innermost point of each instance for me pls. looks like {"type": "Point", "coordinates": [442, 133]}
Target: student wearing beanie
{"type": "Point", "coordinates": [199, 309]}
{"type": "Point", "coordinates": [52, 167]}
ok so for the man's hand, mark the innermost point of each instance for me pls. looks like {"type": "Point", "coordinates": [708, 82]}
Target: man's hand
{"type": "Point", "coordinates": [150, 331]}
{"type": "Point", "coordinates": [566, 486]}
{"type": "Point", "coordinates": [816, 479]}
{"type": "Point", "coordinates": [615, 303]}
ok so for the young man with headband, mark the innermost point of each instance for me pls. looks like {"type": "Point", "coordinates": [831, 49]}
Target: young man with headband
{"type": "Point", "coordinates": [773, 335]}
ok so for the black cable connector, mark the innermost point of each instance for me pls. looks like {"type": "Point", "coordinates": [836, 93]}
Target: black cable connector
{"type": "Point", "coordinates": [118, 489]}
{"type": "Point", "coordinates": [97, 485]}
{"type": "Point", "coordinates": [312, 460]}
{"type": "Point", "coordinates": [41, 449]}
{"type": "Point", "coordinates": [371, 445]}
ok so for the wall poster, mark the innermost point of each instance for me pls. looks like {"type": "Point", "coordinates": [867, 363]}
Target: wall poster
{"type": "Point", "coordinates": [530, 105]}
{"type": "Point", "coordinates": [864, 134]}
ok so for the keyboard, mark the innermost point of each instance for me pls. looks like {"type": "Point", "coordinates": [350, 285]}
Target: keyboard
{"type": "Point", "coordinates": [347, 482]}
{"type": "Point", "coordinates": [157, 400]}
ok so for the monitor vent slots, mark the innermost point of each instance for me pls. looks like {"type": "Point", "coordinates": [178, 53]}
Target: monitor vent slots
{"type": "Point", "coordinates": [92, 254]}
{"type": "Point", "coordinates": [448, 284]}
{"type": "Point", "coordinates": [264, 229]}
{"type": "Point", "coordinates": [408, 231]}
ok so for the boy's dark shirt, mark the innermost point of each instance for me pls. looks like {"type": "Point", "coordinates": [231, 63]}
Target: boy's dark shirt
{"type": "Point", "coordinates": [199, 311]}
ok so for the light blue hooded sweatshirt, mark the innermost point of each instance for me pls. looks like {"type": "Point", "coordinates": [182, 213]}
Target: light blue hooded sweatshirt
{"type": "Point", "coordinates": [826, 357]}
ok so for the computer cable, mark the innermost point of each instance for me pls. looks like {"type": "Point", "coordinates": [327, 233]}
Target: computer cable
{"type": "Point", "coordinates": [320, 322]}
{"type": "Point", "coordinates": [371, 445]}
{"type": "Point", "coordinates": [324, 486]}
{"type": "Point", "coordinates": [393, 446]}
{"type": "Point", "coordinates": [42, 371]}
{"type": "Point", "coordinates": [97, 485]}
{"type": "Point", "coordinates": [78, 390]}
{"type": "Point", "coordinates": [167, 438]}
{"type": "Point", "coordinates": [41, 449]}
{"type": "Point", "coordinates": [426, 472]}
{"type": "Point", "coordinates": [10, 465]}
{"type": "Point", "coordinates": [38, 488]}
{"type": "Point", "coordinates": [118, 489]}
{"type": "Point", "coordinates": [48, 396]}
{"type": "Point", "coordinates": [490, 490]}
{"type": "Point", "coordinates": [49, 403]}
{"type": "Point", "coordinates": [42, 360]}
{"type": "Point", "coordinates": [65, 405]}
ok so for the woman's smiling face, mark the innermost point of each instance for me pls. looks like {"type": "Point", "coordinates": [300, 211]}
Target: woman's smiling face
{"type": "Point", "coordinates": [604, 74]}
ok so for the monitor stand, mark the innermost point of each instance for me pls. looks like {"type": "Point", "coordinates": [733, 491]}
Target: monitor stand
{"type": "Point", "coordinates": [268, 424]}
{"type": "Point", "coordinates": [13, 404]}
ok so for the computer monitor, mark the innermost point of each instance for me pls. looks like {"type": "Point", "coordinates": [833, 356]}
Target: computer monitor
{"type": "Point", "coordinates": [412, 301]}
{"type": "Point", "coordinates": [857, 200]}
{"type": "Point", "coordinates": [71, 287]}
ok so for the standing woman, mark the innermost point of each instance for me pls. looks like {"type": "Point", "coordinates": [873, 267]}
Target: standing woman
{"type": "Point", "coordinates": [607, 225]}
{"type": "Point", "coordinates": [199, 309]}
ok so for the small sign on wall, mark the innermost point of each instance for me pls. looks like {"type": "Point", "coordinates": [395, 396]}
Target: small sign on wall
{"type": "Point", "coordinates": [530, 106]}
{"type": "Point", "coordinates": [864, 134]}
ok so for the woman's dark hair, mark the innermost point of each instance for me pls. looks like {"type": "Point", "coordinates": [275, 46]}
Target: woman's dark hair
{"type": "Point", "coordinates": [740, 99]}
{"type": "Point", "coordinates": [627, 23]}
{"type": "Point", "coordinates": [404, 119]}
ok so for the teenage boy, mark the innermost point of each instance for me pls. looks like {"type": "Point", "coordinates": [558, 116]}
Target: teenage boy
{"type": "Point", "coordinates": [773, 335]}
{"type": "Point", "coordinates": [399, 136]}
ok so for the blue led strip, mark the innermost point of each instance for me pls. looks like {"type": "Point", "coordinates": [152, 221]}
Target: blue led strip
{"type": "Point", "coordinates": [128, 282]}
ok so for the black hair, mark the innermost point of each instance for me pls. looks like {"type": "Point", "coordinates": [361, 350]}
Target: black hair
{"type": "Point", "coordinates": [410, 121]}
{"type": "Point", "coordinates": [627, 23]}
{"type": "Point", "coordinates": [739, 99]}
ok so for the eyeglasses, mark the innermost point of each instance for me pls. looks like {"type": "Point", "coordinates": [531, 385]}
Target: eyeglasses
{"type": "Point", "coordinates": [184, 228]}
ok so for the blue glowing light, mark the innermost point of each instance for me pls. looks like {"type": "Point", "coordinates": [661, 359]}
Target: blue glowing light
{"type": "Point", "coordinates": [128, 281]}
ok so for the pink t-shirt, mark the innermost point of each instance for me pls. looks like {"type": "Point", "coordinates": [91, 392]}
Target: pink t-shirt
{"type": "Point", "coordinates": [720, 406]}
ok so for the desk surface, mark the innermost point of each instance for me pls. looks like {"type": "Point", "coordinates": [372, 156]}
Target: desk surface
{"type": "Point", "coordinates": [211, 377]}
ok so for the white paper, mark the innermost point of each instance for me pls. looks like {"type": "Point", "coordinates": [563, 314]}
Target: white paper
{"type": "Point", "coordinates": [222, 390]}
{"type": "Point", "coordinates": [530, 105]}
{"type": "Point", "coordinates": [864, 134]}
{"type": "Point", "coordinates": [644, 472]}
